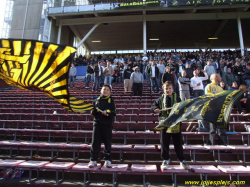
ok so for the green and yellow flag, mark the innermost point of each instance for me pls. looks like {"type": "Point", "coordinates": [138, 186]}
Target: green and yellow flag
{"type": "Point", "coordinates": [215, 108]}
{"type": "Point", "coordinates": [40, 66]}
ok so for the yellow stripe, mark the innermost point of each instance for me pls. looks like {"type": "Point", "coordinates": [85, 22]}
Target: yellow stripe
{"type": "Point", "coordinates": [6, 43]}
{"type": "Point", "coordinates": [54, 77]}
{"type": "Point", "coordinates": [61, 92]}
{"type": "Point", "coordinates": [60, 59]}
{"type": "Point", "coordinates": [26, 65]}
{"type": "Point", "coordinates": [17, 47]}
{"type": "Point", "coordinates": [37, 52]}
{"type": "Point", "coordinates": [83, 106]}
{"type": "Point", "coordinates": [5, 69]}
{"type": "Point", "coordinates": [58, 84]}
{"type": "Point", "coordinates": [49, 53]}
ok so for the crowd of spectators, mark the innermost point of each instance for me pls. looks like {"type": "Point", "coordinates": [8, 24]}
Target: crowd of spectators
{"type": "Point", "coordinates": [188, 71]}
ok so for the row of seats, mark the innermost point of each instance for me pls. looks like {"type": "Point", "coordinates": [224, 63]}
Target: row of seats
{"type": "Point", "coordinates": [119, 169]}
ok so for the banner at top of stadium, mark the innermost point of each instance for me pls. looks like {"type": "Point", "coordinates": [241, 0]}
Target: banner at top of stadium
{"type": "Point", "coordinates": [171, 3]}
{"type": "Point", "coordinates": [204, 2]}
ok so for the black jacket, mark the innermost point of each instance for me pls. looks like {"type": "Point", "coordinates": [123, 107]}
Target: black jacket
{"type": "Point", "coordinates": [96, 70]}
{"type": "Point", "coordinates": [168, 77]}
{"type": "Point", "coordinates": [127, 73]}
{"type": "Point", "coordinates": [149, 71]}
{"type": "Point", "coordinates": [90, 70]}
{"type": "Point", "coordinates": [104, 104]}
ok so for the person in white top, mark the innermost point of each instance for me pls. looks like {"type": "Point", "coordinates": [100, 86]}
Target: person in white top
{"type": "Point", "coordinates": [196, 83]}
{"type": "Point", "coordinates": [161, 67]}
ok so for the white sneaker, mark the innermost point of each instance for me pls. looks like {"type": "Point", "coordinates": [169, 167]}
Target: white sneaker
{"type": "Point", "coordinates": [108, 164]}
{"type": "Point", "coordinates": [92, 164]}
{"type": "Point", "coordinates": [185, 165]}
{"type": "Point", "coordinates": [165, 164]}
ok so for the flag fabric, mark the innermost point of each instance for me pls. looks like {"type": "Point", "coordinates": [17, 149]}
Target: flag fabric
{"type": "Point", "coordinates": [40, 66]}
{"type": "Point", "coordinates": [215, 108]}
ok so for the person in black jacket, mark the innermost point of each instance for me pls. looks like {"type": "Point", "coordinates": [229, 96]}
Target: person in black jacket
{"type": "Point", "coordinates": [167, 100]}
{"type": "Point", "coordinates": [127, 82]}
{"type": "Point", "coordinates": [90, 71]}
{"type": "Point", "coordinates": [153, 72]}
{"type": "Point", "coordinates": [104, 112]}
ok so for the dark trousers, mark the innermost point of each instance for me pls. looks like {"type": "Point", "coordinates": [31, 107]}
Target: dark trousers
{"type": "Point", "coordinates": [101, 132]}
{"type": "Point", "coordinates": [137, 88]}
{"type": "Point", "coordinates": [198, 93]}
{"type": "Point", "coordinates": [177, 141]}
{"type": "Point", "coordinates": [221, 133]}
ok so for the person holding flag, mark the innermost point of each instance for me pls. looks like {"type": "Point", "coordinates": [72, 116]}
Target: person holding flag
{"type": "Point", "coordinates": [214, 88]}
{"type": "Point", "coordinates": [104, 112]}
{"type": "Point", "coordinates": [161, 106]}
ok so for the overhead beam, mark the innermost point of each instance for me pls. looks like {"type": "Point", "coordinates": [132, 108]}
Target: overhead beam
{"type": "Point", "coordinates": [78, 36]}
{"type": "Point", "coordinates": [246, 8]}
{"type": "Point", "coordinates": [160, 17]}
{"type": "Point", "coordinates": [88, 34]}
{"type": "Point", "coordinates": [217, 32]}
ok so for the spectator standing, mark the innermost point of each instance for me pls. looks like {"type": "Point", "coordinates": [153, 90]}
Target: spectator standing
{"type": "Point", "coordinates": [168, 76]}
{"type": "Point", "coordinates": [108, 72]}
{"type": "Point", "coordinates": [189, 71]}
{"type": "Point", "coordinates": [72, 75]}
{"type": "Point", "coordinates": [153, 73]}
{"type": "Point", "coordinates": [98, 76]}
{"type": "Point", "coordinates": [90, 71]}
{"type": "Point", "coordinates": [209, 68]}
{"type": "Point", "coordinates": [116, 75]}
{"type": "Point", "coordinates": [168, 99]}
{"type": "Point", "coordinates": [104, 112]}
{"type": "Point", "coordinates": [161, 67]}
{"type": "Point", "coordinates": [184, 83]}
{"type": "Point", "coordinates": [127, 83]}
{"type": "Point", "coordinates": [197, 85]}
{"type": "Point", "coordinates": [238, 73]}
{"type": "Point", "coordinates": [228, 78]}
{"type": "Point", "coordinates": [136, 80]}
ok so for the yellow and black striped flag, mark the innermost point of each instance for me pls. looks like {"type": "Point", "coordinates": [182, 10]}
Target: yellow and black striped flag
{"type": "Point", "coordinates": [40, 66]}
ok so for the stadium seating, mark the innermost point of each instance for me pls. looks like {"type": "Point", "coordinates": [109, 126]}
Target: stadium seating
{"type": "Point", "coordinates": [61, 140]}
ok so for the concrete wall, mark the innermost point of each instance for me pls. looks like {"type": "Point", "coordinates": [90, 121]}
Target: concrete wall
{"type": "Point", "coordinates": [67, 36]}
{"type": "Point", "coordinates": [54, 32]}
{"type": "Point", "coordinates": [33, 19]}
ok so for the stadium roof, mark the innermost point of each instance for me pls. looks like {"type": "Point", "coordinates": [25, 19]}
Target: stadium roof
{"type": "Point", "coordinates": [184, 27]}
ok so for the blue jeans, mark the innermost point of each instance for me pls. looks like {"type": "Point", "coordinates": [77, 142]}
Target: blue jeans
{"type": "Point", "coordinates": [108, 80]}
{"type": "Point", "coordinates": [146, 77]}
{"type": "Point", "coordinates": [154, 82]}
{"type": "Point", "coordinates": [72, 78]}
{"type": "Point", "coordinates": [88, 78]}
{"type": "Point", "coordinates": [97, 81]}
{"type": "Point", "coordinates": [121, 77]}
{"type": "Point", "coordinates": [159, 78]}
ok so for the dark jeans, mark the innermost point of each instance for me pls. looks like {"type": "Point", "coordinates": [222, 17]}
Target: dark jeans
{"type": "Point", "coordinates": [137, 88]}
{"type": "Point", "coordinates": [154, 83]}
{"type": "Point", "coordinates": [198, 93]}
{"type": "Point", "coordinates": [221, 133]}
{"type": "Point", "coordinates": [73, 79]}
{"type": "Point", "coordinates": [177, 141]}
{"type": "Point", "coordinates": [88, 78]}
{"type": "Point", "coordinates": [97, 81]}
{"type": "Point", "coordinates": [101, 132]}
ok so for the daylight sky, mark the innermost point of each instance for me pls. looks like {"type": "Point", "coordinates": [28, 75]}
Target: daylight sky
{"type": "Point", "coordinates": [2, 11]}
